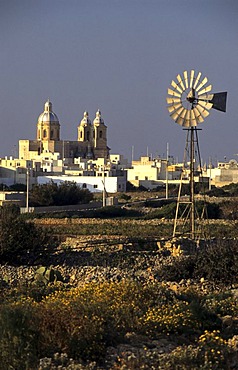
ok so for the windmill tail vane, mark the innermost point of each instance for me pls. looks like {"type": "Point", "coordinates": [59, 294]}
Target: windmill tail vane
{"type": "Point", "coordinates": [219, 101]}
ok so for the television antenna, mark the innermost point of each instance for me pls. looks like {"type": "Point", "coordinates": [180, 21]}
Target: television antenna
{"type": "Point", "coordinates": [189, 102]}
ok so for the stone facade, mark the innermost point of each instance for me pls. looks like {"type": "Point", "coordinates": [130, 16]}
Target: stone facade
{"type": "Point", "coordinates": [91, 141]}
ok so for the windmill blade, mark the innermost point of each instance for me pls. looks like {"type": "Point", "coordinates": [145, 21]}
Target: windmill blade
{"type": "Point", "coordinates": [177, 114]}
{"type": "Point", "coordinates": [174, 107]}
{"type": "Point", "coordinates": [204, 81]}
{"type": "Point", "coordinates": [191, 78]}
{"type": "Point", "coordinates": [187, 122]}
{"type": "Point", "coordinates": [193, 118]}
{"type": "Point", "coordinates": [205, 97]}
{"type": "Point", "coordinates": [173, 100]}
{"type": "Point", "coordinates": [185, 73]}
{"type": "Point", "coordinates": [188, 119]}
{"type": "Point", "coordinates": [175, 86]}
{"type": "Point", "coordinates": [181, 118]}
{"type": "Point", "coordinates": [197, 114]}
{"type": "Point", "coordinates": [219, 101]}
{"type": "Point", "coordinates": [202, 110]}
{"type": "Point", "coordinates": [205, 104]}
{"type": "Point", "coordinates": [180, 121]}
{"type": "Point", "coordinates": [205, 90]}
{"type": "Point", "coordinates": [174, 93]}
{"type": "Point", "coordinates": [197, 80]}
{"type": "Point", "coordinates": [181, 82]}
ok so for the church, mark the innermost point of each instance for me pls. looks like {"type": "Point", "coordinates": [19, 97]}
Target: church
{"type": "Point", "coordinates": [91, 140]}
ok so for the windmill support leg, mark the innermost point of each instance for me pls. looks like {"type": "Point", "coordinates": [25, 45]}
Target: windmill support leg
{"type": "Point", "coordinates": [189, 213]}
{"type": "Point", "coordinates": [192, 210]}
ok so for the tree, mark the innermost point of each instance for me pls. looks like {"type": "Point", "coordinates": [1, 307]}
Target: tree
{"type": "Point", "coordinates": [19, 239]}
{"type": "Point", "coordinates": [52, 194]}
{"type": "Point", "coordinates": [17, 187]}
{"type": "Point", "coordinates": [3, 187]}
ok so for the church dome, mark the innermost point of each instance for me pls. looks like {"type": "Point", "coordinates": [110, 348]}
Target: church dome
{"type": "Point", "coordinates": [85, 121]}
{"type": "Point", "coordinates": [48, 115]}
{"type": "Point", "coordinates": [98, 119]}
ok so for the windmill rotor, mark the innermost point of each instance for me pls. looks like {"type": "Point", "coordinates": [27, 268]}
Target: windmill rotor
{"type": "Point", "coordinates": [190, 99]}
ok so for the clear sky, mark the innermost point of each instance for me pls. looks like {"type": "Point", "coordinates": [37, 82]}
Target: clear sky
{"type": "Point", "coordinates": [118, 56]}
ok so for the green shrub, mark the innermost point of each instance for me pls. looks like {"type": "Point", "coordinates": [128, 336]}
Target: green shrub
{"type": "Point", "coordinates": [211, 353]}
{"type": "Point", "coordinates": [113, 211]}
{"type": "Point", "coordinates": [84, 321]}
{"type": "Point", "coordinates": [19, 239]}
{"type": "Point", "coordinates": [125, 197]}
{"type": "Point", "coordinates": [186, 357]}
{"type": "Point", "coordinates": [173, 318]}
{"type": "Point", "coordinates": [229, 209]}
{"type": "Point", "coordinates": [178, 268]}
{"type": "Point", "coordinates": [210, 210]}
{"type": "Point", "coordinates": [231, 189]}
{"type": "Point", "coordinates": [158, 203]}
{"type": "Point", "coordinates": [18, 336]}
{"type": "Point", "coordinates": [218, 262]}
{"type": "Point", "coordinates": [181, 358]}
{"type": "Point", "coordinates": [222, 304]}
{"type": "Point", "coordinates": [213, 211]}
{"type": "Point", "coordinates": [167, 211]}
{"type": "Point", "coordinates": [9, 212]}
{"type": "Point", "coordinates": [214, 350]}
{"type": "Point", "coordinates": [216, 192]}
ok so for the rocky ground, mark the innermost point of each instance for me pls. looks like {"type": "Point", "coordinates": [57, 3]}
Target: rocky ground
{"type": "Point", "coordinates": [80, 262]}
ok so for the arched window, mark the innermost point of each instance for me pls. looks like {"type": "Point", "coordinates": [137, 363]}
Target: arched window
{"type": "Point", "coordinates": [81, 134]}
{"type": "Point", "coordinates": [51, 134]}
{"type": "Point", "coordinates": [100, 134]}
{"type": "Point", "coordinates": [44, 133]}
{"type": "Point", "coordinates": [88, 135]}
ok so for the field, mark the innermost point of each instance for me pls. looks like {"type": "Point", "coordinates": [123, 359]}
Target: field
{"type": "Point", "coordinates": [116, 292]}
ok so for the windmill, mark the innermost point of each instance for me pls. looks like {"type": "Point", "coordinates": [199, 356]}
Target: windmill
{"type": "Point", "coordinates": [189, 102]}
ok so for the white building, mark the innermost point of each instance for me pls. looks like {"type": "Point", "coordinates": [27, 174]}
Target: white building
{"type": "Point", "coordinates": [89, 173]}
{"type": "Point", "coordinates": [95, 184]}
{"type": "Point", "coordinates": [224, 174]}
{"type": "Point", "coordinates": [152, 173]}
